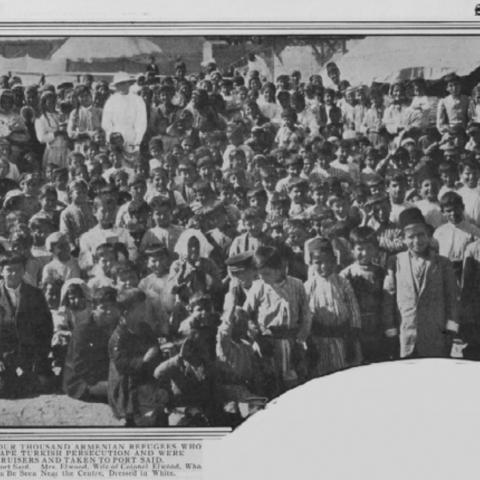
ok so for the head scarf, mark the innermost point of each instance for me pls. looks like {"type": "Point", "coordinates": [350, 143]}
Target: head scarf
{"type": "Point", "coordinates": [75, 281]}
{"type": "Point", "coordinates": [182, 244]}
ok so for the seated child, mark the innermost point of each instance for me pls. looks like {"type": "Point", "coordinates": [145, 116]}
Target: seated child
{"type": "Point", "coordinates": [63, 264]}
{"type": "Point", "coordinates": [194, 271]}
{"type": "Point", "coordinates": [202, 320]}
{"type": "Point", "coordinates": [190, 380]}
{"type": "Point", "coordinates": [159, 261]}
{"type": "Point", "coordinates": [87, 363]}
{"type": "Point", "coordinates": [133, 392]}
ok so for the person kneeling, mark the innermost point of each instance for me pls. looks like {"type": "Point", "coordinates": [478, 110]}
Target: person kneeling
{"type": "Point", "coordinates": [87, 363]}
{"type": "Point", "coordinates": [133, 391]}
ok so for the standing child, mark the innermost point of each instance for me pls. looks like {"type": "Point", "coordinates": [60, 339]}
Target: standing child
{"type": "Point", "coordinates": [429, 186]}
{"type": "Point", "coordinates": [137, 188]}
{"type": "Point", "coordinates": [366, 279]}
{"type": "Point", "coordinates": [335, 314]}
{"type": "Point", "coordinates": [104, 232]}
{"type": "Point", "coordinates": [294, 165]}
{"type": "Point", "coordinates": [470, 192]}
{"type": "Point", "coordinates": [452, 110]}
{"type": "Point", "coordinates": [158, 263]}
{"type": "Point", "coordinates": [49, 201]}
{"type": "Point", "coordinates": [63, 264]}
{"type": "Point", "coordinates": [78, 217]}
{"type": "Point", "coordinates": [454, 237]}
{"type": "Point", "coordinates": [396, 183]}
{"type": "Point", "coordinates": [297, 191]}
{"type": "Point", "coordinates": [420, 294]}
{"type": "Point", "coordinates": [253, 220]}
{"type": "Point", "coordinates": [40, 227]}
{"type": "Point", "coordinates": [164, 232]}
{"type": "Point", "coordinates": [277, 303]}
{"type": "Point", "coordinates": [31, 184]}
{"type": "Point", "coordinates": [105, 258]}
{"type": "Point", "coordinates": [448, 172]}
{"type": "Point", "coordinates": [60, 181]}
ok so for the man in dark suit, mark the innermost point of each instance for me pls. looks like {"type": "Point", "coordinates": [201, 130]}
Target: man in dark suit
{"type": "Point", "coordinates": [26, 329]}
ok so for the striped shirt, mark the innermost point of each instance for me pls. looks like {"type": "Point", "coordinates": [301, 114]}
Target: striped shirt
{"type": "Point", "coordinates": [279, 305]}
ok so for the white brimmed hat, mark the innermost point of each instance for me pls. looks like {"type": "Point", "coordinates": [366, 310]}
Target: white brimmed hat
{"type": "Point", "coordinates": [122, 77]}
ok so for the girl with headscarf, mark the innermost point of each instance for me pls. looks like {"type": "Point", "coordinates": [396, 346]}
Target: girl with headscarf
{"type": "Point", "coordinates": [52, 132]}
{"type": "Point", "coordinates": [76, 302]}
{"type": "Point", "coordinates": [194, 271]}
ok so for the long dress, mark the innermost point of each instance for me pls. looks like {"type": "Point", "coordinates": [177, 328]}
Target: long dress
{"type": "Point", "coordinates": [334, 310]}
{"type": "Point", "coordinates": [56, 150]}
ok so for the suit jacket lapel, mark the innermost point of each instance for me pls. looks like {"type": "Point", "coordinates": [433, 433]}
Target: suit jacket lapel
{"type": "Point", "coordinates": [430, 270]}
{"type": "Point", "coordinates": [5, 301]}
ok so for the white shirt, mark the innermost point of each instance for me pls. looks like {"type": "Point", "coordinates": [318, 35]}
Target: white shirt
{"type": "Point", "coordinates": [13, 293]}
{"type": "Point", "coordinates": [96, 236]}
{"type": "Point", "coordinates": [126, 114]}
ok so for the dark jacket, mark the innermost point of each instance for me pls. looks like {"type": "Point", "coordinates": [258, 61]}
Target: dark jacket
{"type": "Point", "coordinates": [128, 371]}
{"type": "Point", "coordinates": [25, 332]}
{"type": "Point", "coordinates": [87, 360]}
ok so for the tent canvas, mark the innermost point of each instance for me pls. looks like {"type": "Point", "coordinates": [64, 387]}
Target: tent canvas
{"type": "Point", "coordinates": [108, 54]}
{"type": "Point", "coordinates": [385, 59]}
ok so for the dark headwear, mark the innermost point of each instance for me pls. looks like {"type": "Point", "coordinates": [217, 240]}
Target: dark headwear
{"type": "Point", "coordinates": [409, 217]}
{"type": "Point", "coordinates": [241, 262]}
{"type": "Point", "coordinates": [320, 245]}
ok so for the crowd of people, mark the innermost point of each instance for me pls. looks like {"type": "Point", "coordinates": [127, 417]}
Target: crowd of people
{"type": "Point", "coordinates": [182, 246]}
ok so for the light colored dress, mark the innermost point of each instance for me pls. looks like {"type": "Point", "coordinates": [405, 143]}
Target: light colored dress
{"type": "Point", "coordinates": [56, 150]}
{"type": "Point", "coordinates": [333, 305]}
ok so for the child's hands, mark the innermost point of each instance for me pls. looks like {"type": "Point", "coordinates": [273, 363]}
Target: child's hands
{"type": "Point", "coordinates": [151, 353]}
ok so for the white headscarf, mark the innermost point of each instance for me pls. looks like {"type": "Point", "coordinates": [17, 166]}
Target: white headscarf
{"type": "Point", "coordinates": [181, 246]}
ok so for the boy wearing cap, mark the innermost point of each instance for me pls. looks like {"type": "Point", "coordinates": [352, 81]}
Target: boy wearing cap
{"type": "Point", "coordinates": [26, 329]}
{"type": "Point", "coordinates": [420, 295]}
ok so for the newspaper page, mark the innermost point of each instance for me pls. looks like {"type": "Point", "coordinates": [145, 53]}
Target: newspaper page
{"type": "Point", "coordinates": [103, 447]}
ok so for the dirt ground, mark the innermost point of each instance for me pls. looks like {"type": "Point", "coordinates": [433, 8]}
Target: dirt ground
{"type": "Point", "coordinates": [55, 411]}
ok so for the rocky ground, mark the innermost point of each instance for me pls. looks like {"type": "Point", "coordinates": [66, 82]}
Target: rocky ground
{"type": "Point", "coordinates": [55, 411]}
